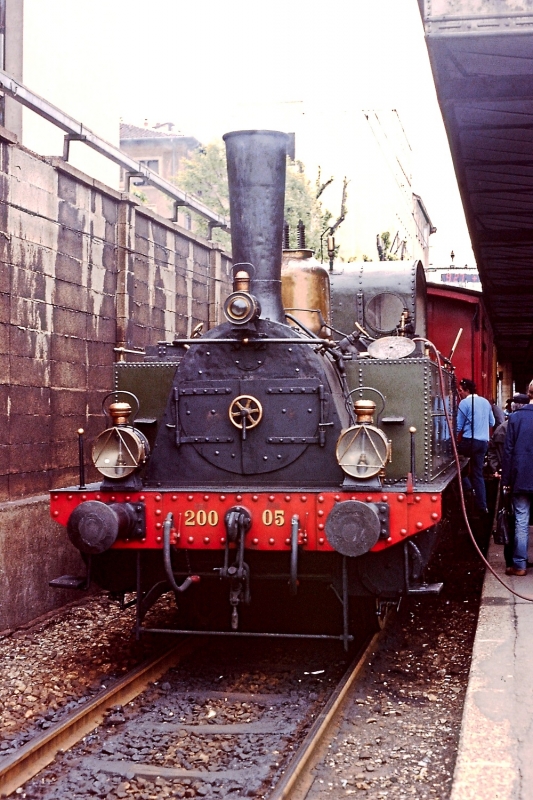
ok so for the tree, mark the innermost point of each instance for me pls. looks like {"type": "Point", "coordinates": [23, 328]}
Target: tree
{"type": "Point", "coordinates": [384, 246]}
{"type": "Point", "coordinates": [204, 175]}
{"type": "Point", "coordinates": [301, 203]}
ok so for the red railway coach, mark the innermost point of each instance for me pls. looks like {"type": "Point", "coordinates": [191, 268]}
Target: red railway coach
{"type": "Point", "coordinates": [453, 309]}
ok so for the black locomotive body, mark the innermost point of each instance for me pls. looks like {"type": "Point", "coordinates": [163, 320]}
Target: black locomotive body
{"type": "Point", "coordinates": [255, 454]}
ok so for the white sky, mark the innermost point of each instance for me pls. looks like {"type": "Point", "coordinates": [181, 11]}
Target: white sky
{"type": "Point", "coordinates": [215, 66]}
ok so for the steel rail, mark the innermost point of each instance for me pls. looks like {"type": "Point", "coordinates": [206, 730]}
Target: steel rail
{"type": "Point", "coordinates": [78, 132]}
{"type": "Point", "coordinates": [307, 753]}
{"type": "Point", "coordinates": [41, 751]}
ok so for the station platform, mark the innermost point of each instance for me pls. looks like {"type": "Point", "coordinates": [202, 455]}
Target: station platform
{"type": "Point", "coordinates": [495, 757]}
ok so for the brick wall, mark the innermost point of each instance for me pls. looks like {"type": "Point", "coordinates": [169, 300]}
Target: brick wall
{"type": "Point", "coordinates": [82, 268]}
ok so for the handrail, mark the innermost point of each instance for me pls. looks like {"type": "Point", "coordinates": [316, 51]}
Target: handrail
{"type": "Point", "coordinates": [76, 131]}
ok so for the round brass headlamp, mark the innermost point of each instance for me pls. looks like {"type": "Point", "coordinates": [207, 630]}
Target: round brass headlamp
{"type": "Point", "coordinates": [362, 451]}
{"type": "Point", "coordinates": [119, 451]}
{"type": "Point", "coordinates": [241, 307]}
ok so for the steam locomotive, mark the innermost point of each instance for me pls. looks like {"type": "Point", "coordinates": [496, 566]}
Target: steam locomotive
{"type": "Point", "coordinates": [305, 439]}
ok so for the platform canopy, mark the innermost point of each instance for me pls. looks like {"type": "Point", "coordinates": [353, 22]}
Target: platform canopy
{"type": "Point", "coordinates": [481, 53]}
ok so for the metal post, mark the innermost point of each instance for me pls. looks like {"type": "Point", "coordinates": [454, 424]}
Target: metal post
{"type": "Point", "coordinates": [81, 456]}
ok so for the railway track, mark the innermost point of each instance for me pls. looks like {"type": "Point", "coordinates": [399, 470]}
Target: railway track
{"type": "Point", "coordinates": [30, 759]}
{"type": "Point", "coordinates": [192, 742]}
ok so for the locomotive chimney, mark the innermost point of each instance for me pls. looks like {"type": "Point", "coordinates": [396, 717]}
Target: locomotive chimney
{"type": "Point", "coordinates": [257, 163]}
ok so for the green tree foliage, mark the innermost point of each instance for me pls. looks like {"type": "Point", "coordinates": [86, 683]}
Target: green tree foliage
{"type": "Point", "coordinates": [204, 175]}
{"type": "Point", "coordinates": [301, 204]}
{"type": "Point", "coordinates": [386, 243]}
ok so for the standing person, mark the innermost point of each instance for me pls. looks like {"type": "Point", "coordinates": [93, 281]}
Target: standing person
{"type": "Point", "coordinates": [495, 459]}
{"type": "Point", "coordinates": [499, 416]}
{"type": "Point", "coordinates": [517, 477]}
{"type": "Point", "coordinates": [474, 422]}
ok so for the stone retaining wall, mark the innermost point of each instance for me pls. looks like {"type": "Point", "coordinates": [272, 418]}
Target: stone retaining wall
{"type": "Point", "coordinates": [83, 269]}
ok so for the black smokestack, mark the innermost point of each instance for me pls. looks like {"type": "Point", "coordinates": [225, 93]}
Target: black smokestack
{"type": "Point", "coordinates": [257, 162]}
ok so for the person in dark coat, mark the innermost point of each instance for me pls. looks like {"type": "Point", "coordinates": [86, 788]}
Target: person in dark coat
{"type": "Point", "coordinates": [499, 416]}
{"type": "Point", "coordinates": [495, 450]}
{"type": "Point", "coordinates": [517, 478]}
{"type": "Point", "coordinates": [495, 459]}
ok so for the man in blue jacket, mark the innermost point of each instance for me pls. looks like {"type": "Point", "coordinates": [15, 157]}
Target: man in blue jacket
{"type": "Point", "coordinates": [517, 477]}
{"type": "Point", "coordinates": [474, 422]}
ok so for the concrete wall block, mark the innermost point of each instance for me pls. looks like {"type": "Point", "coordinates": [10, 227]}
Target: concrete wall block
{"type": "Point", "coordinates": [5, 148]}
{"type": "Point", "coordinates": [28, 283]}
{"type": "Point", "coordinates": [36, 198]}
{"type": "Point", "coordinates": [102, 305]}
{"type": "Point", "coordinates": [30, 458]}
{"type": "Point", "coordinates": [101, 377]}
{"type": "Point", "coordinates": [200, 291]}
{"type": "Point", "coordinates": [72, 349]}
{"type": "Point", "coordinates": [140, 292]}
{"type": "Point", "coordinates": [29, 343]}
{"type": "Point", "coordinates": [64, 453]}
{"type": "Point", "coordinates": [94, 404]}
{"type": "Point", "coordinates": [31, 228]}
{"type": "Point", "coordinates": [142, 227]}
{"type": "Point", "coordinates": [27, 313]}
{"type": "Point", "coordinates": [163, 256]}
{"type": "Point", "coordinates": [109, 257]}
{"type": "Point", "coordinates": [65, 430]}
{"type": "Point", "coordinates": [141, 336]}
{"type": "Point", "coordinates": [109, 210]}
{"type": "Point", "coordinates": [141, 268]}
{"type": "Point", "coordinates": [66, 476]}
{"type": "Point", "coordinates": [68, 322]}
{"type": "Point", "coordinates": [101, 329]}
{"type": "Point", "coordinates": [67, 403]}
{"type": "Point", "coordinates": [74, 216]}
{"type": "Point", "coordinates": [5, 277]}
{"type": "Point", "coordinates": [5, 366]}
{"type": "Point", "coordinates": [31, 255]}
{"type": "Point", "coordinates": [160, 235]}
{"type": "Point", "coordinates": [4, 488]}
{"type": "Point", "coordinates": [181, 246]}
{"type": "Point", "coordinates": [142, 314]}
{"type": "Point", "coordinates": [100, 354]}
{"type": "Point", "coordinates": [71, 243]}
{"type": "Point", "coordinates": [29, 371]}
{"type": "Point", "coordinates": [97, 273]}
{"type": "Point", "coordinates": [67, 187]}
{"type": "Point", "coordinates": [5, 452]}
{"type": "Point", "coordinates": [29, 429]}
{"type": "Point", "coordinates": [5, 330]}
{"type": "Point", "coordinates": [158, 322]}
{"type": "Point", "coordinates": [68, 268]}
{"type": "Point", "coordinates": [159, 298]}
{"type": "Point", "coordinates": [23, 484]}
{"type": "Point", "coordinates": [30, 399]}
{"type": "Point", "coordinates": [70, 296]}
{"type": "Point", "coordinates": [4, 400]}
{"type": "Point", "coordinates": [68, 375]}
{"type": "Point", "coordinates": [25, 530]}
{"type": "Point", "coordinates": [201, 257]}
{"type": "Point", "coordinates": [25, 164]}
